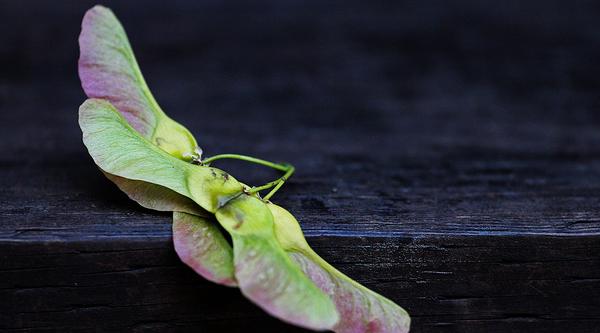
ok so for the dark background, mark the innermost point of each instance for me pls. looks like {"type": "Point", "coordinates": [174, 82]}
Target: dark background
{"type": "Point", "coordinates": [447, 154]}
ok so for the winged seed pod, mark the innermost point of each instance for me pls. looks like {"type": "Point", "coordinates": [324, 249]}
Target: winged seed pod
{"type": "Point", "coordinates": [148, 156]}
{"type": "Point", "coordinates": [108, 70]}
{"type": "Point", "coordinates": [119, 150]}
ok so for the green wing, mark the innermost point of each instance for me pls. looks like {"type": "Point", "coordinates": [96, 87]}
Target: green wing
{"type": "Point", "coordinates": [265, 273]}
{"type": "Point", "coordinates": [118, 149]}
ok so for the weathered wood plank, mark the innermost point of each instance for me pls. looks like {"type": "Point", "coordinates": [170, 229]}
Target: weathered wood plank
{"type": "Point", "coordinates": [448, 156]}
{"type": "Point", "coordinates": [458, 283]}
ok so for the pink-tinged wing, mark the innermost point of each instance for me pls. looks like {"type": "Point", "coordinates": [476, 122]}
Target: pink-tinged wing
{"type": "Point", "coordinates": [156, 197]}
{"type": "Point", "coordinates": [108, 70]}
{"type": "Point", "coordinates": [201, 246]}
{"type": "Point", "coordinates": [265, 273]}
{"type": "Point", "coordinates": [361, 310]}
{"type": "Point", "coordinates": [198, 242]}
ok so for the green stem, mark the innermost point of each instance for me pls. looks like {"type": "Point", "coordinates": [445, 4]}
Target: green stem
{"type": "Point", "coordinates": [276, 184]}
{"type": "Point", "coordinates": [280, 181]}
{"type": "Point", "coordinates": [277, 166]}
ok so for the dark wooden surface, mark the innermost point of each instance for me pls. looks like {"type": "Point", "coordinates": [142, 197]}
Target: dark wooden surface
{"type": "Point", "coordinates": [448, 156]}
